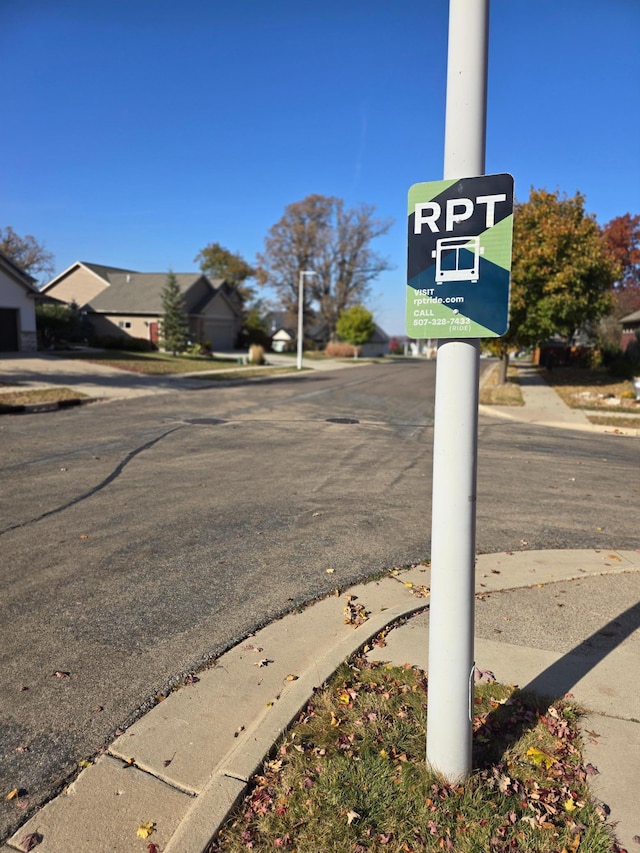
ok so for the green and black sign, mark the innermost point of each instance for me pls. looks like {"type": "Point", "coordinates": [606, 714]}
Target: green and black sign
{"type": "Point", "coordinates": [459, 257]}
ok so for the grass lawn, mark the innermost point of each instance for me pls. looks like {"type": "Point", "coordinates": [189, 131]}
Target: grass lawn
{"type": "Point", "coordinates": [152, 363]}
{"type": "Point", "coordinates": [590, 388]}
{"type": "Point", "coordinates": [37, 395]}
{"type": "Point", "coordinates": [492, 394]}
{"type": "Point", "coordinates": [351, 775]}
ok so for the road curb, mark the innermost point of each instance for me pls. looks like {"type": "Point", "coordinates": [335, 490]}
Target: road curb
{"type": "Point", "coordinates": [208, 814]}
{"type": "Point", "coordinates": [39, 408]}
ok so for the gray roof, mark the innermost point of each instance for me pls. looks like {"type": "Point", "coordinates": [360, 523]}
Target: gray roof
{"type": "Point", "coordinates": [631, 318]}
{"type": "Point", "coordinates": [141, 293]}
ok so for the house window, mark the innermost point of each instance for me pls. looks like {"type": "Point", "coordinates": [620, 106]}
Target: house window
{"type": "Point", "coordinates": [127, 325]}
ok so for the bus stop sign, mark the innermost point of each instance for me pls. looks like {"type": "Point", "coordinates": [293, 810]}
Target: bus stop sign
{"type": "Point", "coordinates": [459, 257]}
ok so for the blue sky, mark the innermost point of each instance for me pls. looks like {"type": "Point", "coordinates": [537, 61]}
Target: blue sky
{"type": "Point", "coordinates": [138, 131]}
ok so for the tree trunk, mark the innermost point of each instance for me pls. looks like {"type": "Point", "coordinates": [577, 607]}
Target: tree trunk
{"type": "Point", "coordinates": [504, 366]}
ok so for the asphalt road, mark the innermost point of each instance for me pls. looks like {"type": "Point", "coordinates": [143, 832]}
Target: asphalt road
{"type": "Point", "coordinates": [139, 539]}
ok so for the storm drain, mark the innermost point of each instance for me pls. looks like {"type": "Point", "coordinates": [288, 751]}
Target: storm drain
{"type": "Point", "coordinates": [342, 421]}
{"type": "Point", "coordinates": [205, 421]}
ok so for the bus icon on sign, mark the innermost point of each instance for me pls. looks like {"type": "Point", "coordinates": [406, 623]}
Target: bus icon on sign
{"type": "Point", "coordinates": [461, 271]}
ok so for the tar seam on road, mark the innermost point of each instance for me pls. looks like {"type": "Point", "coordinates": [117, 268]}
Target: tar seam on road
{"type": "Point", "coordinates": [112, 476]}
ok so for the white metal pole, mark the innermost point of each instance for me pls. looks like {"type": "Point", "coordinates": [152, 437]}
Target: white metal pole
{"type": "Point", "coordinates": [451, 614]}
{"type": "Point", "coordinates": [300, 323]}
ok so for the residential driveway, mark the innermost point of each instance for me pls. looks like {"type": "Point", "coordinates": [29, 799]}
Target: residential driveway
{"type": "Point", "coordinates": [90, 378]}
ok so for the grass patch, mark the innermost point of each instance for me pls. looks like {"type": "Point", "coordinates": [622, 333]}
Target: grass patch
{"type": "Point", "coordinates": [245, 372]}
{"type": "Point", "coordinates": [620, 422]}
{"type": "Point", "coordinates": [509, 394]}
{"type": "Point", "coordinates": [39, 395]}
{"type": "Point", "coordinates": [351, 775]}
{"type": "Point", "coordinates": [152, 363]}
{"type": "Point", "coordinates": [591, 388]}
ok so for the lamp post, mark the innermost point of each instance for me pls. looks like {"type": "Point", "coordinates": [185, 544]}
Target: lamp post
{"type": "Point", "coordinates": [301, 312]}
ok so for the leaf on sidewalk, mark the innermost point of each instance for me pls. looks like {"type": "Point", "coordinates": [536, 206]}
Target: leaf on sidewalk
{"type": "Point", "coordinates": [30, 840]}
{"type": "Point", "coordinates": [145, 829]}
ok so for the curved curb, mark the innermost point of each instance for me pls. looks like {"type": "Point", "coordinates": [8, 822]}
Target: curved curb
{"type": "Point", "coordinates": [39, 408]}
{"type": "Point", "coordinates": [192, 800]}
{"type": "Point", "coordinates": [212, 806]}
{"type": "Point", "coordinates": [232, 777]}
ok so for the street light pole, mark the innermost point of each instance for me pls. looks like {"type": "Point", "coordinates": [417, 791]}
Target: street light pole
{"type": "Point", "coordinates": [301, 313]}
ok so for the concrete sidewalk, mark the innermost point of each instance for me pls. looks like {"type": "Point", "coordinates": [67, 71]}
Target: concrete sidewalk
{"type": "Point", "coordinates": [554, 621]}
{"type": "Point", "coordinates": [544, 407]}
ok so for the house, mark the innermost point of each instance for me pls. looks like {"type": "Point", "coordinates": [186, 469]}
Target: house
{"type": "Point", "coordinates": [18, 293]}
{"type": "Point", "coordinates": [120, 302]}
{"type": "Point", "coordinates": [283, 331]}
{"type": "Point", "coordinates": [630, 328]}
{"type": "Point", "coordinates": [283, 328]}
{"type": "Point", "coordinates": [377, 345]}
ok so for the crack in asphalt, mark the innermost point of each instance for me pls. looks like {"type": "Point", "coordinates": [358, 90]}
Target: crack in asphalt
{"type": "Point", "coordinates": [102, 485]}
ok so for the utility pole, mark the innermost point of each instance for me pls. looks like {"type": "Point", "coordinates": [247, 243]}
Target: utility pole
{"type": "Point", "coordinates": [451, 615]}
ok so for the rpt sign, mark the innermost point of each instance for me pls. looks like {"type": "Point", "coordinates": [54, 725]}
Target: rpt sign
{"type": "Point", "coordinates": [459, 257]}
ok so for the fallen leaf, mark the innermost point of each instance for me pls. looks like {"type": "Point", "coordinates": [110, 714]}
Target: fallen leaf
{"type": "Point", "coordinates": [22, 748]}
{"type": "Point", "coordinates": [31, 840]}
{"type": "Point", "coordinates": [83, 536]}
{"type": "Point", "coordinates": [263, 662]}
{"type": "Point", "coordinates": [153, 848]}
{"type": "Point", "coordinates": [61, 673]}
{"type": "Point", "coordinates": [12, 794]}
{"type": "Point", "coordinates": [538, 757]}
{"type": "Point", "coordinates": [292, 677]}
{"type": "Point", "coordinates": [145, 829]}
{"type": "Point", "coordinates": [351, 816]}
{"type": "Point", "coordinates": [330, 571]}
{"type": "Point", "coordinates": [83, 764]}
